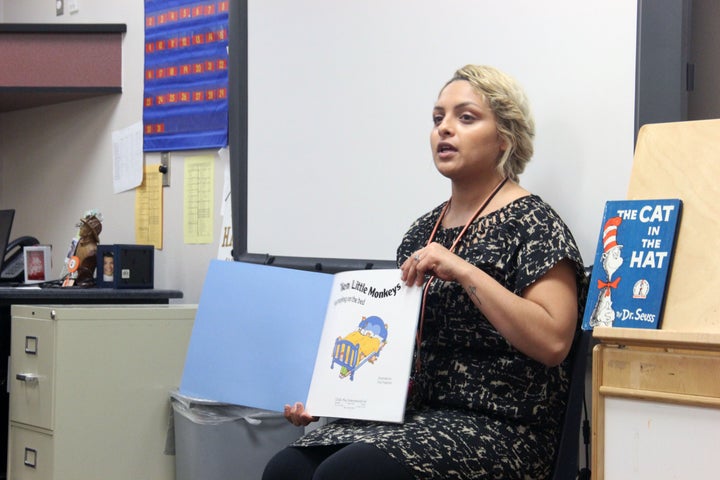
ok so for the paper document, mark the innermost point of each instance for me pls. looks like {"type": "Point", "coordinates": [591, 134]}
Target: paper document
{"type": "Point", "coordinates": [127, 157]}
{"type": "Point", "coordinates": [149, 209]}
{"type": "Point", "coordinates": [198, 211]}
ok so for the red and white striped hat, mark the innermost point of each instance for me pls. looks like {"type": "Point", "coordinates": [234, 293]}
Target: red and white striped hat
{"type": "Point", "coordinates": [610, 233]}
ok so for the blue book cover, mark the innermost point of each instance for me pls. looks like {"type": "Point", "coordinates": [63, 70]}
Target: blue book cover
{"type": "Point", "coordinates": [632, 263]}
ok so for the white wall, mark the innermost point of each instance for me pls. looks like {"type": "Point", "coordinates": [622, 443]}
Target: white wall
{"type": "Point", "coordinates": [56, 161]}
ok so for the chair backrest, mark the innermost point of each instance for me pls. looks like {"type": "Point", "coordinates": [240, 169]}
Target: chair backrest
{"type": "Point", "coordinates": [566, 460]}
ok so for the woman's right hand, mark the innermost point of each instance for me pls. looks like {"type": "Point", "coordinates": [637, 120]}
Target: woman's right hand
{"type": "Point", "coordinates": [298, 416]}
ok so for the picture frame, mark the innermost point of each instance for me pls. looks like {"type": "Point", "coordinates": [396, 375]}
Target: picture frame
{"type": "Point", "coordinates": [132, 266]}
{"type": "Point", "coordinates": [38, 263]}
{"type": "Point", "coordinates": [105, 271]}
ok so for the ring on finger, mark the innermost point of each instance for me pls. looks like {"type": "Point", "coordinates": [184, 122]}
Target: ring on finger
{"type": "Point", "coordinates": [416, 257]}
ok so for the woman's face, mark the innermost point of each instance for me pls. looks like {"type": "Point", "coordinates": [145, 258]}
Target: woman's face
{"type": "Point", "coordinates": [465, 141]}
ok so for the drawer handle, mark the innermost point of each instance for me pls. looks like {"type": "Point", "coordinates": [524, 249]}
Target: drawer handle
{"type": "Point", "coordinates": [28, 378]}
{"type": "Point", "coordinates": [30, 459]}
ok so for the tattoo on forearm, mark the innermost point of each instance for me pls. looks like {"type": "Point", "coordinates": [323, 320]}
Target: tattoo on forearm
{"type": "Point", "coordinates": [472, 291]}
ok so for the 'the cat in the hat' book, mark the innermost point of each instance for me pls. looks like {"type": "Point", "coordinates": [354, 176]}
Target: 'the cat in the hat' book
{"type": "Point", "coordinates": [632, 263]}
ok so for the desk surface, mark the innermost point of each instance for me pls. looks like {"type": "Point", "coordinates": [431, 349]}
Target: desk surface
{"type": "Point", "coordinates": [10, 296]}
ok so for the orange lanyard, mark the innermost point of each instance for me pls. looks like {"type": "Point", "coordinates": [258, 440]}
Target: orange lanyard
{"type": "Point", "coordinates": [483, 206]}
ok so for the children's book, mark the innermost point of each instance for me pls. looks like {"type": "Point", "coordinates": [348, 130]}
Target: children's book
{"type": "Point", "coordinates": [268, 336]}
{"type": "Point", "coordinates": [632, 263]}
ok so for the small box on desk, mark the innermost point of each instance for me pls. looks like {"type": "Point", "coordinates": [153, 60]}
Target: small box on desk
{"type": "Point", "coordinates": [125, 266]}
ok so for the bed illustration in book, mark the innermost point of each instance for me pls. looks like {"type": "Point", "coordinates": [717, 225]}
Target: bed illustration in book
{"type": "Point", "coordinates": [360, 346]}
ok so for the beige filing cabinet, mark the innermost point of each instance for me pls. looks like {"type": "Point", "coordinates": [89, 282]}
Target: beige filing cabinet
{"type": "Point", "coordinates": [89, 390]}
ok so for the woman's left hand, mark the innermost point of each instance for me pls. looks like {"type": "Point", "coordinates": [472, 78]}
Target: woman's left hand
{"type": "Point", "coordinates": [433, 259]}
{"type": "Point", "coordinates": [298, 416]}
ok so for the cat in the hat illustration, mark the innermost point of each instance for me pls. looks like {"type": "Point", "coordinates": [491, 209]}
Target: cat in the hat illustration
{"type": "Point", "coordinates": [611, 259]}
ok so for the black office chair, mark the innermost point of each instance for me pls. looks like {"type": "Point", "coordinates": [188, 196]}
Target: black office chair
{"type": "Point", "coordinates": [567, 465]}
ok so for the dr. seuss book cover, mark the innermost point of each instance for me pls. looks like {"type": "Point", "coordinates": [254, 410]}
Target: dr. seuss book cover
{"type": "Point", "coordinates": [268, 336]}
{"type": "Point", "coordinates": [632, 263]}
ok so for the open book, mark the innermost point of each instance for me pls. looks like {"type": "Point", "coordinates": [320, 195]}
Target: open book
{"type": "Point", "coordinates": [268, 336]}
{"type": "Point", "coordinates": [632, 263]}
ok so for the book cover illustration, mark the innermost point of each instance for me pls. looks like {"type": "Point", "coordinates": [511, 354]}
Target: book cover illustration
{"type": "Point", "coordinates": [632, 263]}
{"type": "Point", "coordinates": [365, 351]}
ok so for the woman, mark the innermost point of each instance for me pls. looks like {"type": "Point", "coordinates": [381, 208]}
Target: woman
{"type": "Point", "coordinates": [504, 285]}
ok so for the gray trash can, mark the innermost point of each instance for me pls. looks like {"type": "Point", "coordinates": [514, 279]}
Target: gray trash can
{"type": "Point", "coordinates": [220, 441]}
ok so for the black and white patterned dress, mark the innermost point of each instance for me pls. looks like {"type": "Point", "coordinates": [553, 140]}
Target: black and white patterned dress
{"type": "Point", "coordinates": [479, 408]}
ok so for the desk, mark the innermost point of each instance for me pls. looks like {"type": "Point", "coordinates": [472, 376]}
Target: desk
{"type": "Point", "coordinates": [63, 296]}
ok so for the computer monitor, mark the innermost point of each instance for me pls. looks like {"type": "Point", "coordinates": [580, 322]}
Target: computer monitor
{"type": "Point", "coordinates": [6, 221]}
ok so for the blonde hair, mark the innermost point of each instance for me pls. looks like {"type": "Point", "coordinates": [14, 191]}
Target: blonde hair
{"type": "Point", "coordinates": [510, 105]}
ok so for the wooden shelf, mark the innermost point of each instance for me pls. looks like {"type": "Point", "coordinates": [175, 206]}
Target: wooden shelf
{"type": "Point", "coordinates": [669, 338]}
{"type": "Point", "coordinates": [43, 64]}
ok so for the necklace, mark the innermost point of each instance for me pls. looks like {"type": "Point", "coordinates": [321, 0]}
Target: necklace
{"type": "Point", "coordinates": [481, 208]}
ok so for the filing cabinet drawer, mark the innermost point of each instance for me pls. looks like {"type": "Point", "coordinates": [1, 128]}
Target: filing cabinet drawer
{"type": "Point", "coordinates": [32, 372]}
{"type": "Point", "coordinates": [30, 454]}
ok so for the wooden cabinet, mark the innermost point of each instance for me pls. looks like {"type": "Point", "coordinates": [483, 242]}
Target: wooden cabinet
{"type": "Point", "coordinates": [89, 390]}
{"type": "Point", "coordinates": [51, 63]}
{"type": "Point", "coordinates": [656, 393]}
{"type": "Point", "coordinates": [656, 404]}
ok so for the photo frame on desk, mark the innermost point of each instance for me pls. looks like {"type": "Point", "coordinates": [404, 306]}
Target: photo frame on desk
{"type": "Point", "coordinates": [125, 266]}
{"type": "Point", "coordinates": [105, 272]}
{"type": "Point", "coordinates": [38, 263]}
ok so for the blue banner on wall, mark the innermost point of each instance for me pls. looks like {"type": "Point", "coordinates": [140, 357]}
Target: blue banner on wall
{"type": "Point", "coordinates": [186, 75]}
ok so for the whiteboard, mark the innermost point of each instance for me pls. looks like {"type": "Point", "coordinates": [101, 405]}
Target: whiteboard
{"type": "Point", "coordinates": [657, 441]}
{"type": "Point", "coordinates": [339, 112]}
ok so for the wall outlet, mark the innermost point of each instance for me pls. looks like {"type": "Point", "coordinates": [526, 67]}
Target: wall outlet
{"type": "Point", "coordinates": [59, 7]}
{"type": "Point", "coordinates": [72, 6]}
